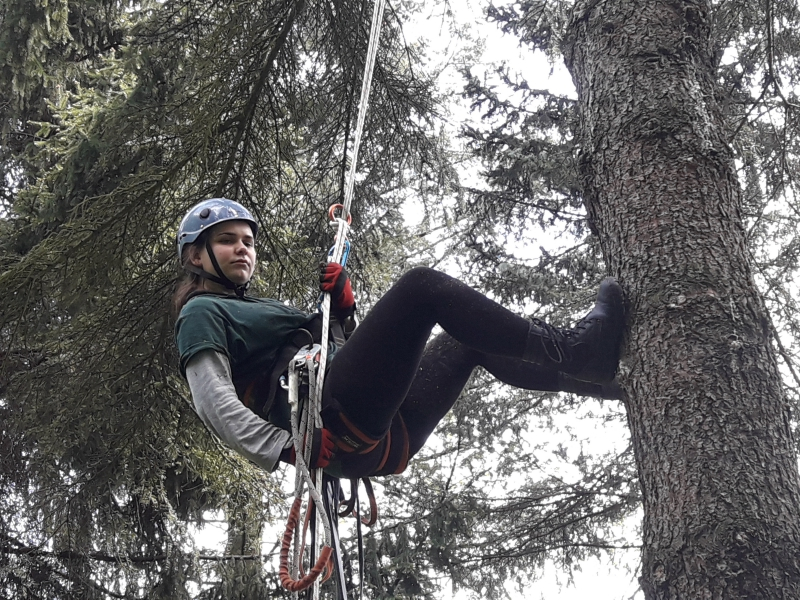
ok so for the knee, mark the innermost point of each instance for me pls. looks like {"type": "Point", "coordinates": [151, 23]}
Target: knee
{"type": "Point", "coordinates": [420, 277]}
{"type": "Point", "coordinates": [420, 273]}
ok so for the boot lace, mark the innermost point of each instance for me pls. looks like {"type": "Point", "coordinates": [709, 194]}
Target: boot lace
{"type": "Point", "coordinates": [555, 341]}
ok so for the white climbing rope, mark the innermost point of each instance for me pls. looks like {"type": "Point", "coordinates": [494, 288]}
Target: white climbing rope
{"type": "Point", "coordinates": [313, 407]}
{"type": "Point", "coordinates": [343, 221]}
{"type": "Point", "coordinates": [366, 85]}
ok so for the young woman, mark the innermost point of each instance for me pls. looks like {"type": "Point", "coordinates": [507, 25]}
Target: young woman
{"type": "Point", "coordinates": [388, 387]}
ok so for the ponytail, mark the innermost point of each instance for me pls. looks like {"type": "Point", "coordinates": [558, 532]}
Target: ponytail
{"type": "Point", "coordinates": [189, 283]}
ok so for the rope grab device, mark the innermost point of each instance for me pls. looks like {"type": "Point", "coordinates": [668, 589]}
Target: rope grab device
{"type": "Point", "coordinates": [310, 361]}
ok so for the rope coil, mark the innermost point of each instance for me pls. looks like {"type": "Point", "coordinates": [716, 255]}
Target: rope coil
{"type": "Point", "coordinates": [323, 562]}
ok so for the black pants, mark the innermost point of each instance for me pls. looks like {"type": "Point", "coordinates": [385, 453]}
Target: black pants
{"type": "Point", "coordinates": [388, 367]}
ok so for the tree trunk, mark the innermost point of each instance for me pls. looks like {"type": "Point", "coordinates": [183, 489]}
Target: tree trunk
{"type": "Point", "coordinates": [708, 417]}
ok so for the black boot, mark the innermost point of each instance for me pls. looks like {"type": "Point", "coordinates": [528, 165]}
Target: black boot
{"type": "Point", "coordinates": [589, 351]}
{"type": "Point", "coordinates": [604, 391]}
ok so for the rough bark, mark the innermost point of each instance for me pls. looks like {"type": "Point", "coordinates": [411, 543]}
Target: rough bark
{"type": "Point", "coordinates": [709, 420]}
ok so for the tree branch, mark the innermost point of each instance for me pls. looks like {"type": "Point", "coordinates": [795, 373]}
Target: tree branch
{"type": "Point", "coordinates": [249, 110]}
{"type": "Point", "coordinates": [110, 558]}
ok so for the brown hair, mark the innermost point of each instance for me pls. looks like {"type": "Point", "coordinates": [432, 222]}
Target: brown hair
{"type": "Point", "coordinates": [189, 283]}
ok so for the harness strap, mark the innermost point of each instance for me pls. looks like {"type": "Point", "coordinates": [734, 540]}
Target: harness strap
{"type": "Point", "coordinates": [301, 338]}
{"type": "Point", "coordinates": [373, 504]}
{"type": "Point", "coordinates": [348, 437]}
{"type": "Point", "coordinates": [360, 536]}
{"type": "Point", "coordinates": [395, 455]}
{"type": "Point", "coordinates": [331, 497]}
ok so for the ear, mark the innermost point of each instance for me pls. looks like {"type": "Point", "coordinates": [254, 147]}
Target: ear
{"type": "Point", "coordinates": [195, 255]}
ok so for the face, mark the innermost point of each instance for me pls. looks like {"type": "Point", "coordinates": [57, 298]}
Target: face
{"type": "Point", "coordinates": [233, 245]}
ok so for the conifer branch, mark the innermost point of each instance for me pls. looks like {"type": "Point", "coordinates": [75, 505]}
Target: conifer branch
{"type": "Point", "coordinates": [246, 119]}
{"type": "Point", "coordinates": [111, 558]}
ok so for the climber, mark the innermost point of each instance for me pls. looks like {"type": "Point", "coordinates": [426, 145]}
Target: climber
{"type": "Point", "coordinates": [388, 387]}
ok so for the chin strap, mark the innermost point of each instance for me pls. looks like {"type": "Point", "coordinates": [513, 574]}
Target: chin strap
{"type": "Point", "coordinates": [220, 278]}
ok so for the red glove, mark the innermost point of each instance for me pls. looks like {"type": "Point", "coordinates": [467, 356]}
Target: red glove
{"type": "Point", "coordinates": [334, 280]}
{"type": "Point", "coordinates": [322, 450]}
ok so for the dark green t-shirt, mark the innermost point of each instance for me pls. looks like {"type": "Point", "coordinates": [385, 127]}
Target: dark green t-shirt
{"type": "Point", "coordinates": [249, 331]}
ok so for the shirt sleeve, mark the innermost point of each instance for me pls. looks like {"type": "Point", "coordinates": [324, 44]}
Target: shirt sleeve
{"type": "Point", "coordinates": [215, 400]}
{"type": "Point", "coordinates": [201, 326]}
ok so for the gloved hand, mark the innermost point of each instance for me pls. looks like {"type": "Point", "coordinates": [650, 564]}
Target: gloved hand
{"type": "Point", "coordinates": [322, 450]}
{"type": "Point", "coordinates": [334, 280]}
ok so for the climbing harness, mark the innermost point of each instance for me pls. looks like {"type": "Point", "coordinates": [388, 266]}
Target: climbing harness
{"type": "Point", "coordinates": [311, 362]}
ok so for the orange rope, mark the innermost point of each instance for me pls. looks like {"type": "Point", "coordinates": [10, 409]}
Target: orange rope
{"type": "Point", "coordinates": [298, 585]}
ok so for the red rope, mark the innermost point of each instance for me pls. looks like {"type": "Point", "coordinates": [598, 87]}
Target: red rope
{"type": "Point", "coordinates": [298, 585]}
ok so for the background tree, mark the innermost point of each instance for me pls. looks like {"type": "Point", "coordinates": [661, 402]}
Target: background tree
{"type": "Point", "coordinates": [709, 419]}
{"type": "Point", "coordinates": [672, 101]}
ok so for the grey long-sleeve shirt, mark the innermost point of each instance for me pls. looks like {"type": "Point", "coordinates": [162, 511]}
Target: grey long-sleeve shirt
{"type": "Point", "coordinates": [216, 402]}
